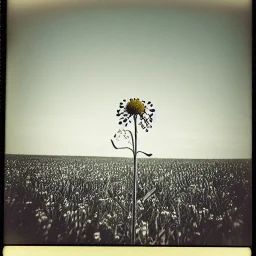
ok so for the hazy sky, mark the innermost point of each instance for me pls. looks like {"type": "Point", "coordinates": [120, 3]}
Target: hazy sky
{"type": "Point", "coordinates": [68, 71]}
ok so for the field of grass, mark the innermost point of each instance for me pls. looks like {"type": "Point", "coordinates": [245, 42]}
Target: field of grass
{"type": "Point", "coordinates": [87, 200]}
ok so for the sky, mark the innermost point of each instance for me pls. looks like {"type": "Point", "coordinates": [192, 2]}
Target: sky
{"type": "Point", "coordinates": [67, 71]}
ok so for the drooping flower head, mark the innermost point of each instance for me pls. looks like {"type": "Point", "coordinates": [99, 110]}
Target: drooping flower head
{"type": "Point", "coordinates": [136, 107]}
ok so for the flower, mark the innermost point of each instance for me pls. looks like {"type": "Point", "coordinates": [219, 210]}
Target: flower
{"type": "Point", "coordinates": [136, 107]}
{"type": "Point", "coordinates": [44, 218]}
{"type": "Point", "coordinates": [195, 225]}
{"type": "Point", "coordinates": [211, 217]}
{"type": "Point", "coordinates": [236, 224]}
{"type": "Point", "coordinates": [96, 236]}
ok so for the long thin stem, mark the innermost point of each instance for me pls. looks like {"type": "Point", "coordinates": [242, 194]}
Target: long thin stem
{"type": "Point", "coordinates": [134, 209]}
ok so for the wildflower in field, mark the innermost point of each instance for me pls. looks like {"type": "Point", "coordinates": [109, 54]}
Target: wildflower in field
{"type": "Point", "coordinates": [48, 226]}
{"type": "Point", "coordinates": [136, 107]}
{"type": "Point", "coordinates": [219, 218]}
{"type": "Point", "coordinates": [195, 225]}
{"type": "Point", "coordinates": [28, 182]}
{"type": "Point", "coordinates": [60, 238]}
{"type": "Point", "coordinates": [44, 218]}
{"type": "Point", "coordinates": [236, 224]}
{"type": "Point", "coordinates": [211, 217]}
{"type": "Point", "coordinates": [96, 237]}
{"type": "Point", "coordinates": [144, 231]}
{"type": "Point", "coordinates": [117, 237]}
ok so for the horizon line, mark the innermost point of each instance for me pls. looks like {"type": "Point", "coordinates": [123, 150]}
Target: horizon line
{"type": "Point", "coordinates": [177, 158]}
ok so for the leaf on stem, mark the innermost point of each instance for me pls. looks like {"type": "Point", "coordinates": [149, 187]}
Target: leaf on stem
{"type": "Point", "coordinates": [144, 153]}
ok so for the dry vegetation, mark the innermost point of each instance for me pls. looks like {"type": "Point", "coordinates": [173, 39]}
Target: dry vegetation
{"type": "Point", "coordinates": [84, 200]}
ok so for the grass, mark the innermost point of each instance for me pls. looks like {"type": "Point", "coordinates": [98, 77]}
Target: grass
{"type": "Point", "coordinates": [66, 200]}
